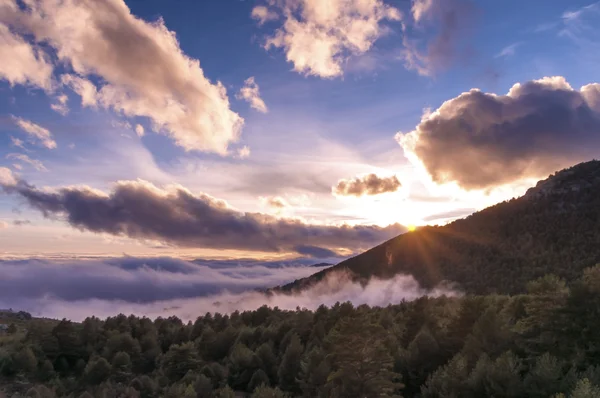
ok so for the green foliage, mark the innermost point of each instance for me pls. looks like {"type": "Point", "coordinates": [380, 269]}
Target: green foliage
{"type": "Point", "coordinates": [268, 392]}
{"type": "Point", "coordinates": [25, 360]}
{"type": "Point", "coordinates": [540, 344]}
{"type": "Point", "coordinates": [97, 370]}
{"type": "Point", "coordinates": [290, 365]}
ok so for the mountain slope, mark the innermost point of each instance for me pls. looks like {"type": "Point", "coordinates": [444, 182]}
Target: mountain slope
{"type": "Point", "coordinates": [553, 228]}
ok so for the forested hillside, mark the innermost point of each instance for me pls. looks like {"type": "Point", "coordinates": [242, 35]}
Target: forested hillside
{"type": "Point", "coordinates": [554, 228]}
{"type": "Point", "coordinates": [541, 344]}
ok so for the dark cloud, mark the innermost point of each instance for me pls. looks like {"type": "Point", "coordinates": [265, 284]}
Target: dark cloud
{"type": "Point", "coordinates": [370, 184]}
{"type": "Point", "coordinates": [481, 140]}
{"type": "Point", "coordinates": [314, 251]}
{"type": "Point", "coordinates": [20, 223]}
{"type": "Point", "coordinates": [140, 210]}
{"type": "Point", "coordinates": [450, 21]}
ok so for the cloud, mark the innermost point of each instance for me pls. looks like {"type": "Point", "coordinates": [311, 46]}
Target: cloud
{"type": "Point", "coordinates": [22, 63]}
{"type": "Point", "coordinates": [509, 50]}
{"type": "Point", "coordinates": [83, 87]}
{"type": "Point", "coordinates": [276, 202]}
{"type": "Point", "coordinates": [369, 184]}
{"type": "Point", "coordinates": [139, 130]}
{"type": "Point", "coordinates": [244, 152]}
{"type": "Point", "coordinates": [318, 37]}
{"type": "Point", "coordinates": [36, 164]}
{"type": "Point", "coordinates": [262, 14]}
{"type": "Point", "coordinates": [251, 94]}
{"type": "Point", "coordinates": [141, 67]}
{"type": "Point", "coordinates": [44, 136]}
{"type": "Point", "coordinates": [20, 223]}
{"type": "Point", "coordinates": [480, 140]}
{"type": "Point", "coordinates": [17, 142]}
{"type": "Point", "coordinates": [448, 21]}
{"type": "Point", "coordinates": [61, 105]}
{"type": "Point", "coordinates": [7, 179]}
{"type": "Point", "coordinates": [174, 215]}
{"type": "Point", "coordinates": [3, 224]}
{"type": "Point", "coordinates": [449, 215]}
{"type": "Point", "coordinates": [156, 287]}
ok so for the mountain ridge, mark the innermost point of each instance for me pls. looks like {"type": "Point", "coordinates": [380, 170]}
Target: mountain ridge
{"type": "Point", "coordinates": [498, 249]}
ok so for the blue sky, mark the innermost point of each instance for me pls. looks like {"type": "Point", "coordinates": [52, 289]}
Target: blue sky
{"type": "Point", "coordinates": [318, 125]}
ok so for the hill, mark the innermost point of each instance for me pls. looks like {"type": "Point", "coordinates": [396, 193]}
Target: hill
{"type": "Point", "coordinates": [553, 228]}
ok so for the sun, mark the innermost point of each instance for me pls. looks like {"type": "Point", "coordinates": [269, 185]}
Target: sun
{"type": "Point", "coordinates": [411, 227]}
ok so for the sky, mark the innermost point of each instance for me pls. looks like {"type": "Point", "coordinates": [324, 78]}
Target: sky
{"type": "Point", "coordinates": [280, 129]}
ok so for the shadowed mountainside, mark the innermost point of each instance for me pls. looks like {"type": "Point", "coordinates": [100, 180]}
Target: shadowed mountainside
{"type": "Point", "coordinates": [553, 228]}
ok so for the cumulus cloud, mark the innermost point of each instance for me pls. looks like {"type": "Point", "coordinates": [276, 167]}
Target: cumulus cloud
{"type": "Point", "coordinates": [174, 215]}
{"type": "Point", "coordinates": [481, 140]}
{"type": "Point", "coordinates": [36, 132]}
{"type": "Point", "coordinates": [251, 94]}
{"type": "Point", "coordinates": [140, 64]}
{"type": "Point", "coordinates": [159, 287]}
{"type": "Point", "coordinates": [22, 63]}
{"type": "Point", "coordinates": [446, 21]}
{"type": "Point", "coordinates": [370, 184]}
{"type": "Point", "coordinates": [139, 130]}
{"type": "Point", "coordinates": [3, 224]}
{"type": "Point", "coordinates": [36, 164]}
{"type": "Point", "coordinates": [318, 37]}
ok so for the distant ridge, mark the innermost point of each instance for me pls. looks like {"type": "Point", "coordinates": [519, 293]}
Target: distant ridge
{"type": "Point", "coordinates": [553, 228]}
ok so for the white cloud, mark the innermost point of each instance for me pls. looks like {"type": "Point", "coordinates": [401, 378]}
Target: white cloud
{"type": "Point", "coordinates": [139, 130]}
{"type": "Point", "coordinates": [262, 14]}
{"type": "Point", "coordinates": [17, 142]}
{"type": "Point", "coordinates": [3, 224]}
{"type": "Point", "coordinates": [318, 36]}
{"type": "Point", "coordinates": [36, 164]}
{"type": "Point", "coordinates": [508, 50]}
{"type": "Point", "coordinates": [251, 94]}
{"type": "Point", "coordinates": [83, 87]}
{"type": "Point", "coordinates": [21, 62]}
{"type": "Point", "coordinates": [244, 152]}
{"type": "Point", "coordinates": [7, 179]}
{"type": "Point", "coordinates": [39, 133]}
{"type": "Point", "coordinates": [61, 105]}
{"type": "Point", "coordinates": [143, 69]}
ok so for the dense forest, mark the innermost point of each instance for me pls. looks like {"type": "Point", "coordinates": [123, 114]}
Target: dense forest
{"type": "Point", "coordinates": [501, 248]}
{"type": "Point", "coordinates": [543, 343]}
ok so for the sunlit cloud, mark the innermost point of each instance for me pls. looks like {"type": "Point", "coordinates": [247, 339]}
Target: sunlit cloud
{"type": "Point", "coordinates": [251, 94]}
{"type": "Point", "coordinates": [37, 133]}
{"type": "Point", "coordinates": [319, 37]}
{"type": "Point", "coordinates": [22, 63]}
{"type": "Point", "coordinates": [35, 163]}
{"type": "Point", "coordinates": [106, 42]}
{"type": "Point", "coordinates": [479, 140]}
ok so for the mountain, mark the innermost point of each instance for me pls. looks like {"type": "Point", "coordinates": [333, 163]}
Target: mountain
{"type": "Point", "coordinates": [553, 228]}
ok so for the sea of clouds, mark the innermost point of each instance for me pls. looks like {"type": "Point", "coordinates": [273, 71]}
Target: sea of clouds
{"type": "Point", "coordinates": [78, 288]}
